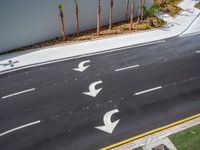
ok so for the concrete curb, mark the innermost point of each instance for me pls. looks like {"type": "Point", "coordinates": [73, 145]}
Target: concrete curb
{"type": "Point", "coordinates": [78, 56]}
{"type": "Point", "coordinates": [190, 24]}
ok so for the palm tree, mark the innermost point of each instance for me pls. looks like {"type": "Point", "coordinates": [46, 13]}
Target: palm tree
{"type": "Point", "coordinates": [126, 10]}
{"type": "Point", "coordinates": [98, 17]}
{"type": "Point", "coordinates": [61, 20]}
{"type": "Point", "coordinates": [149, 12]}
{"type": "Point", "coordinates": [132, 14]}
{"type": "Point", "coordinates": [77, 17]}
{"type": "Point", "coordinates": [111, 10]}
{"type": "Point", "coordinates": [141, 11]}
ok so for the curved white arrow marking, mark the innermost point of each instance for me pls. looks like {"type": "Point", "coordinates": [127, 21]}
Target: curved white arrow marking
{"type": "Point", "coordinates": [81, 66]}
{"type": "Point", "coordinates": [92, 91]}
{"type": "Point", "coordinates": [109, 126]}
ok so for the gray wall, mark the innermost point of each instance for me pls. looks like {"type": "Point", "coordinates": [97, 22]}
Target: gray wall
{"type": "Point", "coordinates": [25, 22]}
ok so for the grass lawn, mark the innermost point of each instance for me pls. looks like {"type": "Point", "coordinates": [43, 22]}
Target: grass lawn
{"type": "Point", "coordinates": [139, 148]}
{"type": "Point", "coordinates": [198, 5]}
{"type": "Point", "coordinates": [188, 139]}
{"type": "Point", "coordinates": [170, 7]}
{"type": "Point", "coordinates": [118, 28]}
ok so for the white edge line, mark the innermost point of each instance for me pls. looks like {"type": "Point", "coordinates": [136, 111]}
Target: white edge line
{"type": "Point", "coordinates": [149, 90]}
{"type": "Point", "coordinates": [18, 128]}
{"type": "Point", "coordinates": [197, 51]}
{"type": "Point", "coordinates": [81, 56]}
{"type": "Point", "coordinates": [127, 68]}
{"type": "Point", "coordinates": [21, 92]}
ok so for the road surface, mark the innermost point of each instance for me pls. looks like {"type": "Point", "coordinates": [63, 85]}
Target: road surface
{"type": "Point", "coordinates": [92, 102]}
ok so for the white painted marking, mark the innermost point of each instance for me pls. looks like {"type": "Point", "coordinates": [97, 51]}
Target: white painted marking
{"type": "Point", "coordinates": [198, 51]}
{"type": "Point", "coordinates": [14, 94]}
{"type": "Point", "coordinates": [146, 91]}
{"type": "Point", "coordinates": [18, 128]}
{"type": "Point", "coordinates": [79, 56]}
{"type": "Point", "coordinates": [127, 68]}
{"type": "Point", "coordinates": [108, 125]}
{"type": "Point", "coordinates": [81, 66]}
{"type": "Point", "coordinates": [92, 91]}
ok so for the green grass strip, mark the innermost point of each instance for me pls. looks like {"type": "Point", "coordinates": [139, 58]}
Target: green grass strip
{"type": "Point", "coordinates": [188, 139]}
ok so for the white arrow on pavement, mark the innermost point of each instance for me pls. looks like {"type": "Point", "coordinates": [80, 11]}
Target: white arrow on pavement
{"type": "Point", "coordinates": [109, 126]}
{"type": "Point", "coordinates": [81, 66]}
{"type": "Point", "coordinates": [92, 91]}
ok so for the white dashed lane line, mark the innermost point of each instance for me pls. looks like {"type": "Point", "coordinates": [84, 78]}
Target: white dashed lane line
{"type": "Point", "coordinates": [20, 127]}
{"type": "Point", "coordinates": [18, 93]}
{"type": "Point", "coordinates": [197, 51]}
{"type": "Point", "coordinates": [149, 90]}
{"type": "Point", "coordinates": [129, 67]}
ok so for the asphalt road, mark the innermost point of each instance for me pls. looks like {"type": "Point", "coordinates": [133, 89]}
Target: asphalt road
{"type": "Point", "coordinates": [150, 86]}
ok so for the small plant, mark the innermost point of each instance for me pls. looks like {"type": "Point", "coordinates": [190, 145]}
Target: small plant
{"type": "Point", "coordinates": [198, 5]}
{"type": "Point", "coordinates": [147, 27]}
{"type": "Point", "coordinates": [172, 1]}
{"type": "Point", "coordinates": [123, 27]}
{"type": "Point", "coordinates": [160, 21]}
{"type": "Point", "coordinates": [151, 11]}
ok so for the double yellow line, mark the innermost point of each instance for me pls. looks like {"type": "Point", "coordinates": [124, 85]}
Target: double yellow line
{"type": "Point", "coordinates": [150, 132]}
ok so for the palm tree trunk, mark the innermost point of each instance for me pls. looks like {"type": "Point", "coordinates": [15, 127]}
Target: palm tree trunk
{"type": "Point", "coordinates": [98, 17]}
{"type": "Point", "coordinates": [62, 25]}
{"type": "Point", "coordinates": [142, 10]}
{"type": "Point", "coordinates": [139, 11]}
{"type": "Point", "coordinates": [126, 10]}
{"type": "Point", "coordinates": [132, 14]}
{"type": "Point", "coordinates": [77, 17]}
{"type": "Point", "coordinates": [111, 10]}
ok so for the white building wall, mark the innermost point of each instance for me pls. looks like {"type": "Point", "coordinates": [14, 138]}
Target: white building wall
{"type": "Point", "coordinates": [25, 22]}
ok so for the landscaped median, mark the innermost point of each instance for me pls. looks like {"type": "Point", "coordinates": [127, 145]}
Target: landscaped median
{"type": "Point", "coordinates": [169, 6]}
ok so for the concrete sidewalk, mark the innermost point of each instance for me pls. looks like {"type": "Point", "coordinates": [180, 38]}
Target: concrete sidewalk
{"type": "Point", "coordinates": [175, 26]}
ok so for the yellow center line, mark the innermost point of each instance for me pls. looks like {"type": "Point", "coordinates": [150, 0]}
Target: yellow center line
{"type": "Point", "coordinates": [150, 132]}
